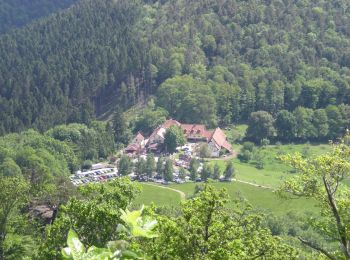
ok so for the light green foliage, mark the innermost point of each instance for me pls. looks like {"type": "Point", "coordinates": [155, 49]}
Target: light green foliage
{"type": "Point", "coordinates": [149, 119]}
{"type": "Point", "coordinates": [259, 158]}
{"type": "Point", "coordinates": [42, 146]}
{"type": "Point", "coordinates": [275, 171]}
{"type": "Point", "coordinates": [216, 172]}
{"type": "Point", "coordinates": [168, 170]}
{"type": "Point", "coordinates": [160, 166]}
{"type": "Point", "coordinates": [206, 172]}
{"type": "Point", "coordinates": [13, 194]}
{"type": "Point", "coordinates": [9, 168]}
{"type": "Point", "coordinates": [261, 199]}
{"type": "Point", "coordinates": [188, 100]}
{"type": "Point", "coordinates": [229, 171]}
{"type": "Point", "coordinates": [95, 215]}
{"type": "Point", "coordinates": [304, 128]}
{"type": "Point", "coordinates": [182, 173]}
{"type": "Point", "coordinates": [173, 138]}
{"type": "Point", "coordinates": [140, 166]}
{"type": "Point", "coordinates": [321, 178]}
{"type": "Point", "coordinates": [75, 248]}
{"type": "Point", "coordinates": [124, 165]}
{"type": "Point", "coordinates": [90, 143]}
{"type": "Point", "coordinates": [150, 165]}
{"type": "Point", "coordinates": [160, 196]}
{"type": "Point", "coordinates": [204, 151]}
{"type": "Point", "coordinates": [43, 163]}
{"type": "Point", "coordinates": [246, 152]}
{"type": "Point", "coordinates": [194, 165]}
{"type": "Point", "coordinates": [260, 126]}
{"type": "Point", "coordinates": [208, 230]}
{"type": "Point", "coordinates": [137, 226]}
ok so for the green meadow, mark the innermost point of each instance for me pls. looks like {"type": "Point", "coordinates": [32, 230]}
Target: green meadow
{"type": "Point", "coordinates": [261, 199]}
{"type": "Point", "coordinates": [157, 195]}
{"type": "Point", "coordinates": [274, 172]}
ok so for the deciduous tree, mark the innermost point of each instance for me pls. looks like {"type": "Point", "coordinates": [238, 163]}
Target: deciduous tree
{"type": "Point", "coordinates": [322, 179]}
{"type": "Point", "coordinates": [173, 138]}
{"type": "Point", "coordinates": [260, 126]}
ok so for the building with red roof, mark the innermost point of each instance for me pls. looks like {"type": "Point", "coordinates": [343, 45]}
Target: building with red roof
{"type": "Point", "coordinates": [216, 139]}
{"type": "Point", "coordinates": [133, 149]}
{"type": "Point", "coordinates": [169, 123]}
{"type": "Point", "coordinates": [195, 133]}
{"type": "Point", "coordinates": [139, 138]}
{"type": "Point", "coordinates": [137, 145]}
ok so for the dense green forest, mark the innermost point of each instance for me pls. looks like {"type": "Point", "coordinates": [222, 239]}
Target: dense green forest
{"type": "Point", "coordinates": [34, 171]}
{"type": "Point", "coordinates": [17, 13]}
{"type": "Point", "coordinates": [246, 55]}
{"type": "Point", "coordinates": [281, 67]}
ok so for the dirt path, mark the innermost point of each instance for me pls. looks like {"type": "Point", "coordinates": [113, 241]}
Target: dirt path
{"type": "Point", "coordinates": [254, 184]}
{"type": "Point", "coordinates": [229, 157]}
{"type": "Point", "coordinates": [182, 194]}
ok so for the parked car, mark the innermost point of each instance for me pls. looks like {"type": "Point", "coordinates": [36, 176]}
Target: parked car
{"type": "Point", "coordinates": [179, 181]}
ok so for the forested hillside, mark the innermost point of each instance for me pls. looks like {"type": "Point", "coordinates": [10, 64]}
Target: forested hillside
{"type": "Point", "coordinates": [245, 55]}
{"type": "Point", "coordinates": [16, 13]}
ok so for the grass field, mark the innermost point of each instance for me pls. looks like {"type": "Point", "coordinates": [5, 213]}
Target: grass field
{"type": "Point", "coordinates": [261, 199]}
{"type": "Point", "coordinates": [158, 196]}
{"type": "Point", "coordinates": [274, 172]}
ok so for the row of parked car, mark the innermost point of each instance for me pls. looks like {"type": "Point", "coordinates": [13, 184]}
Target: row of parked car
{"type": "Point", "coordinates": [101, 175]}
{"type": "Point", "coordinates": [157, 179]}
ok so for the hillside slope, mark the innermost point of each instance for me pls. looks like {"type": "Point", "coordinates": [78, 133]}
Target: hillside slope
{"type": "Point", "coordinates": [273, 55]}
{"type": "Point", "coordinates": [17, 13]}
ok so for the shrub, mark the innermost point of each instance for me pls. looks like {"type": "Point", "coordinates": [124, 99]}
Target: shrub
{"type": "Point", "coordinates": [87, 165]}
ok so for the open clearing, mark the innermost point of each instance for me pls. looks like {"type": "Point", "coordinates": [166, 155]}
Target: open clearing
{"type": "Point", "coordinates": [159, 195]}
{"type": "Point", "coordinates": [274, 172]}
{"type": "Point", "coordinates": [260, 198]}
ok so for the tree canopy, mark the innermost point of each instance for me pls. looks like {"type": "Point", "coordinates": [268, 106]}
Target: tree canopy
{"type": "Point", "coordinates": [224, 61]}
{"type": "Point", "coordinates": [17, 13]}
{"type": "Point", "coordinates": [322, 178]}
{"type": "Point", "coordinates": [173, 138]}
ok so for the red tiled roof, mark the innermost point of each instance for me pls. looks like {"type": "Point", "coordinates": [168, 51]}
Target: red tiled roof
{"type": "Point", "coordinates": [155, 132]}
{"type": "Point", "coordinates": [169, 123]}
{"type": "Point", "coordinates": [133, 148]}
{"type": "Point", "coordinates": [227, 146]}
{"type": "Point", "coordinates": [139, 137]}
{"type": "Point", "coordinates": [186, 128]}
{"type": "Point", "coordinates": [219, 138]}
{"type": "Point", "coordinates": [153, 146]}
{"type": "Point", "coordinates": [209, 134]}
{"type": "Point", "coordinates": [194, 131]}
